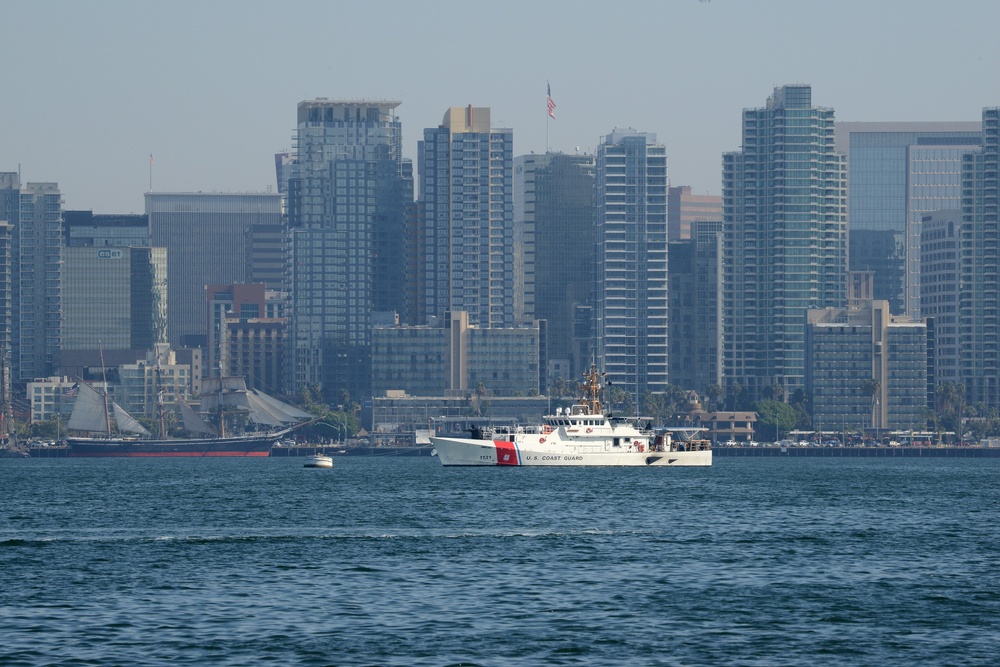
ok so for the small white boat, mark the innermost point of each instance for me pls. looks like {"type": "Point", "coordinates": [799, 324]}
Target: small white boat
{"type": "Point", "coordinates": [319, 461]}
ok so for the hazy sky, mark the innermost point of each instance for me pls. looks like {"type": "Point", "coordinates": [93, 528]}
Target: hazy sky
{"type": "Point", "coordinates": [210, 88]}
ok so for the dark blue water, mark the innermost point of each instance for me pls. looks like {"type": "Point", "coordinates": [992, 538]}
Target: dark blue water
{"type": "Point", "coordinates": [389, 561]}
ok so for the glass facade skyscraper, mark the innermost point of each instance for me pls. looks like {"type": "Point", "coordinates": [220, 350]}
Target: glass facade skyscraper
{"type": "Point", "coordinates": [939, 291]}
{"type": "Point", "coordinates": [348, 195]}
{"type": "Point", "coordinates": [897, 173]}
{"type": "Point", "coordinates": [979, 268]}
{"type": "Point", "coordinates": [208, 240]}
{"type": "Point", "coordinates": [35, 211]}
{"type": "Point", "coordinates": [785, 215]}
{"type": "Point", "coordinates": [554, 206]}
{"type": "Point", "coordinates": [115, 298]}
{"type": "Point", "coordinates": [631, 258]}
{"type": "Point", "coordinates": [695, 308]}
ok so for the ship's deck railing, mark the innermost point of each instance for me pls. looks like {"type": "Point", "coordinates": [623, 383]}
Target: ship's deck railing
{"type": "Point", "coordinates": [514, 430]}
{"type": "Point", "coordinates": [692, 445]}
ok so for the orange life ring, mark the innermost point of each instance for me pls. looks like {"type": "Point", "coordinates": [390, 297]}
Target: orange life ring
{"type": "Point", "coordinates": [541, 440]}
{"type": "Point", "coordinates": [590, 430]}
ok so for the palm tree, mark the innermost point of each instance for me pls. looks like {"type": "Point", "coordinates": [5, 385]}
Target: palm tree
{"type": "Point", "coordinates": [873, 387]}
{"type": "Point", "coordinates": [735, 389]}
{"type": "Point", "coordinates": [559, 387]}
{"type": "Point", "coordinates": [714, 392]}
{"type": "Point", "coordinates": [945, 395]}
{"type": "Point", "coordinates": [775, 392]}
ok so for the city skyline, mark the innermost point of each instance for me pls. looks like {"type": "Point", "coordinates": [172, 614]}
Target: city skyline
{"type": "Point", "coordinates": [205, 89]}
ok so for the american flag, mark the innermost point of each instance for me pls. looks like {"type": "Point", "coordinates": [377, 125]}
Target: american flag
{"type": "Point", "coordinates": [72, 391]}
{"type": "Point", "coordinates": [551, 104]}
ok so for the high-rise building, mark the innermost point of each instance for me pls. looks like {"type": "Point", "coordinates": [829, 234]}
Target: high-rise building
{"type": "Point", "coordinates": [554, 215]}
{"type": "Point", "coordinates": [696, 308]}
{"type": "Point", "coordinates": [630, 237]}
{"type": "Point", "coordinates": [348, 197]}
{"type": "Point", "coordinates": [785, 215]}
{"type": "Point", "coordinates": [35, 211]}
{"type": "Point", "coordinates": [6, 231]}
{"type": "Point", "coordinates": [114, 299]}
{"type": "Point", "coordinates": [897, 173]}
{"type": "Point", "coordinates": [465, 253]}
{"type": "Point", "coordinates": [208, 237]}
{"type": "Point", "coordinates": [939, 290]}
{"type": "Point", "coordinates": [979, 267]}
{"type": "Point", "coordinates": [684, 208]}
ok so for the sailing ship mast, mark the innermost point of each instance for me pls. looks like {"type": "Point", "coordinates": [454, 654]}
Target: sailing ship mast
{"type": "Point", "coordinates": [222, 412]}
{"type": "Point", "coordinates": [163, 425]}
{"type": "Point", "coordinates": [104, 376]}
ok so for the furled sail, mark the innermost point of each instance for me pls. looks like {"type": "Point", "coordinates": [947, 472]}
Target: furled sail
{"type": "Point", "coordinates": [231, 394]}
{"type": "Point", "coordinates": [89, 412]}
{"type": "Point", "coordinates": [260, 414]}
{"type": "Point", "coordinates": [289, 414]}
{"type": "Point", "coordinates": [228, 393]}
{"type": "Point", "coordinates": [127, 423]}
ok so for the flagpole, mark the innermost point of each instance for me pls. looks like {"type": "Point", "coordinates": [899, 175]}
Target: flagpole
{"type": "Point", "coordinates": [151, 173]}
{"type": "Point", "coordinates": [550, 110]}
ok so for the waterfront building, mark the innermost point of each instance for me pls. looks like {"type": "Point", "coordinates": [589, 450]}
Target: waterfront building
{"type": "Point", "coordinates": [846, 349]}
{"type": "Point", "coordinates": [247, 335]}
{"type": "Point", "coordinates": [152, 383]}
{"type": "Point", "coordinates": [979, 268]}
{"type": "Point", "coordinates": [208, 237]}
{"type": "Point", "coordinates": [695, 314]}
{"type": "Point", "coordinates": [685, 208]}
{"type": "Point", "coordinates": [897, 173]}
{"type": "Point", "coordinates": [453, 357]}
{"type": "Point", "coordinates": [192, 357]}
{"type": "Point", "coordinates": [785, 214]}
{"type": "Point", "coordinates": [348, 195]}
{"type": "Point", "coordinates": [725, 426]}
{"type": "Point", "coordinates": [554, 215]}
{"type": "Point", "coordinates": [630, 240]}
{"type": "Point", "coordinates": [939, 292]}
{"type": "Point", "coordinates": [505, 361]}
{"type": "Point", "coordinates": [51, 397]}
{"type": "Point", "coordinates": [464, 256]}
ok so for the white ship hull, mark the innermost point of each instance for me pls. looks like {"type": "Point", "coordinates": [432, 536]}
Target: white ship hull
{"type": "Point", "coordinates": [528, 451]}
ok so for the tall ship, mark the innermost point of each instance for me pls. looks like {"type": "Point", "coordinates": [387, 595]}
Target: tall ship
{"type": "Point", "coordinates": [112, 431]}
{"type": "Point", "coordinates": [581, 435]}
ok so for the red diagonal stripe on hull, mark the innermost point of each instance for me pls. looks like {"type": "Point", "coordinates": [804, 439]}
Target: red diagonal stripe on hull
{"type": "Point", "coordinates": [506, 453]}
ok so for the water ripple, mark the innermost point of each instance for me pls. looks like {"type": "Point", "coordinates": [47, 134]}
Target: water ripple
{"type": "Point", "coordinates": [402, 562]}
